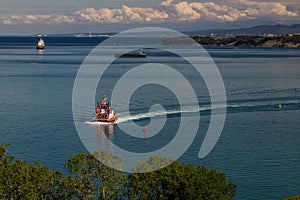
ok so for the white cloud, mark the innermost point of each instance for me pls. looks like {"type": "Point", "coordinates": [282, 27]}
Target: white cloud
{"type": "Point", "coordinates": [36, 19]}
{"type": "Point", "coordinates": [124, 15]}
{"type": "Point", "coordinates": [268, 8]}
{"type": "Point", "coordinates": [281, 10]}
{"type": "Point", "coordinates": [166, 11]}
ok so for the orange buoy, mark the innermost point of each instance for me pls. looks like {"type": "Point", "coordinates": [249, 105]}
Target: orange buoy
{"type": "Point", "coordinates": [145, 129]}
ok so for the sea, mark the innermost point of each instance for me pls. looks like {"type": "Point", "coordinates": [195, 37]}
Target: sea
{"type": "Point", "coordinates": [258, 148]}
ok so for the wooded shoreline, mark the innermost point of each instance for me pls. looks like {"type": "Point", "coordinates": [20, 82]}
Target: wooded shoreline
{"type": "Point", "coordinates": [288, 41]}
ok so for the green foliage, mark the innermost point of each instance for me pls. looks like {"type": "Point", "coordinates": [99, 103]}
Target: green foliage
{"type": "Point", "coordinates": [242, 41]}
{"type": "Point", "coordinates": [179, 181]}
{"type": "Point", "coordinates": [90, 179]}
{"type": "Point", "coordinates": [293, 198]}
{"type": "Point", "coordinates": [94, 180]}
{"type": "Point", "coordinates": [20, 180]}
{"type": "Point", "coordinates": [295, 39]}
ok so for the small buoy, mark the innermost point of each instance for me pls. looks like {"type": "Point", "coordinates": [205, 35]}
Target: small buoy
{"type": "Point", "coordinates": [145, 129]}
{"type": "Point", "coordinates": [279, 106]}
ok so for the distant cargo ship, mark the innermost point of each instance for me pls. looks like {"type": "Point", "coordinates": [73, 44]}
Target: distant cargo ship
{"type": "Point", "coordinates": [40, 44]}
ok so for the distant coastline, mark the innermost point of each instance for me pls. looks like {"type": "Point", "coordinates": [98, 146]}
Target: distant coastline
{"type": "Point", "coordinates": [287, 41]}
{"type": "Point", "coordinates": [263, 36]}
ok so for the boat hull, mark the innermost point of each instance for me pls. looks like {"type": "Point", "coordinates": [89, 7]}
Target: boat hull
{"type": "Point", "coordinates": [107, 120]}
{"type": "Point", "coordinates": [129, 55]}
{"type": "Point", "coordinates": [40, 47]}
{"type": "Point", "coordinates": [40, 44]}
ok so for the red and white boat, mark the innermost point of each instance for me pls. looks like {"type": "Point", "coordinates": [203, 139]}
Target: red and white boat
{"type": "Point", "coordinates": [40, 44]}
{"type": "Point", "coordinates": [104, 113]}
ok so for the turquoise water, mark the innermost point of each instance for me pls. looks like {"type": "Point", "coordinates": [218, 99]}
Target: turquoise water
{"type": "Point", "coordinates": [258, 148]}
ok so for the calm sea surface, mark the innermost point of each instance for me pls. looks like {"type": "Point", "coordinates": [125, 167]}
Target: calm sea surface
{"type": "Point", "coordinates": [258, 148]}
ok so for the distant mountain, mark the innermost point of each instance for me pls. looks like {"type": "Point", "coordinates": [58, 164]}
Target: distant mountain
{"type": "Point", "coordinates": [262, 30]}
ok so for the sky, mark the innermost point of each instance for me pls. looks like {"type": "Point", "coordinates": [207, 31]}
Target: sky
{"type": "Point", "coordinates": [73, 16]}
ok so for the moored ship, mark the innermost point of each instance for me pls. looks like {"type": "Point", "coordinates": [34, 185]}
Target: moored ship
{"type": "Point", "coordinates": [40, 44]}
{"type": "Point", "coordinates": [139, 54]}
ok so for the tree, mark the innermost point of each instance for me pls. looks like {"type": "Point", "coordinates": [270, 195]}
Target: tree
{"type": "Point", "coordinates": [90, 179]}
{"type": "Point", "coordinates": [94, 180]}
{"type": "Point", "coordinates": [179, 181]}
{"type": "Point", "coordinates": [19, 180]}
{"type": "Point", "coordinates": [293, 197]}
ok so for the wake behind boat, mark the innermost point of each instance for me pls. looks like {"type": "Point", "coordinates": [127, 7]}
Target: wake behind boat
{"type": "Point", "coordinates": [104, 113]}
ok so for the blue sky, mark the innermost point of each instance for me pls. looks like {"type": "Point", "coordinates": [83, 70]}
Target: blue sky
{"type": "Point", "coordinates": [68, 16]}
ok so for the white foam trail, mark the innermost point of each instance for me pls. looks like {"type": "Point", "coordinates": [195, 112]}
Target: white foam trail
{"type": "Point", "coordinates": [262, 103]}
{"type": "Point", "coordinates": [125, 117]}
{"type": "Point", "coordinates": [96, 123]}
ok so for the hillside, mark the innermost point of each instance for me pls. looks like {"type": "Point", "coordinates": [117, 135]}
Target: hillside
{"type": "Point", "coordinates": [240, 41]}
{"type": "Point", "coordinates": [262, 30]}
